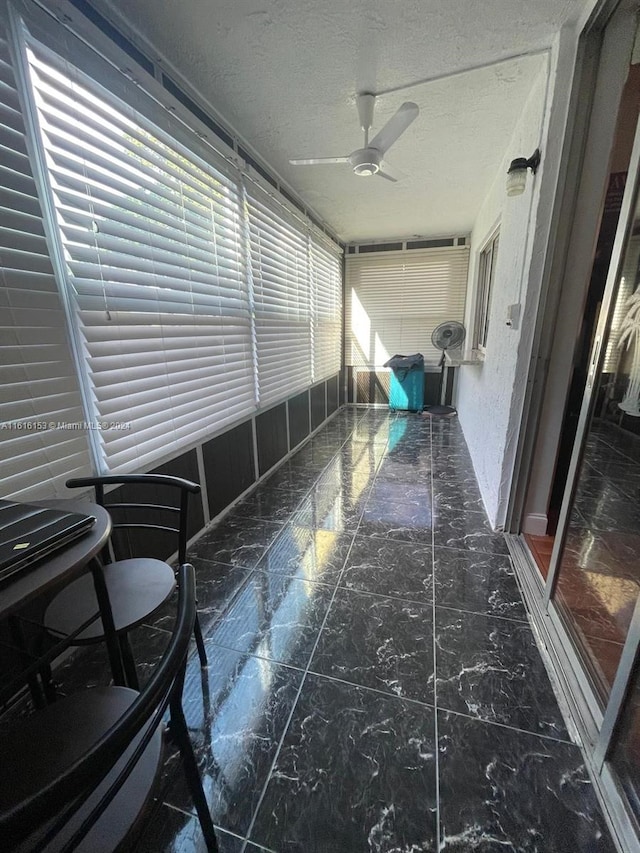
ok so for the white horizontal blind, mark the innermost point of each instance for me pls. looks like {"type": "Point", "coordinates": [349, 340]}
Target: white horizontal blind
{"type": "Point", "coordinates": [278, 250]}
{"type": "Point", "coordinates": [326, 289]}
{"type": "Point", "coordinates": [151, 240]}
{"type": "Point", "coordinates": [394, 300]}
{"type": "Point", "coordinates": [41, 437]}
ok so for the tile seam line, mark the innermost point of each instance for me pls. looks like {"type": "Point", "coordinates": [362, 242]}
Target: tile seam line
{"type": "Point", "coordinates": [251, 569]}
{"type": "Point", "coordinates": [256, 485]}
{"type": "Point", "coordinates": [386, 538]}
{"type": "Point", "coordinates": [509, 619]}
{"type": "Point", "coordinates": [295, 701]}
{"type": "Point", "coordinates": [408, 599]}
{"type": "Point", "coordinates": [436, 750]}
{"type": "Point", "coordinates": [304, 676]}
{"type": "Point", "coordinates": [394, 696]}
{"type": "Point", "coordinates": [306, 494]}
{"type": "Point", "coordinates": [194, 815]}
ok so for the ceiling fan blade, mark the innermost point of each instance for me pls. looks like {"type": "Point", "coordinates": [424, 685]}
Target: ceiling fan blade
{"type": "Point", "coordinates": [387, 176]}
{"type": "Point", "coordinates": [392, 172]}
{"type": "Point", "coordinates": [395, 127]}
{"type": "Point", "coordinates": [313, 161]}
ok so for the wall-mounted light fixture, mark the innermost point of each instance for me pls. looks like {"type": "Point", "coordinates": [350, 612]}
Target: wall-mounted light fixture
{"type": "Point", "coordinates": [517, 172]}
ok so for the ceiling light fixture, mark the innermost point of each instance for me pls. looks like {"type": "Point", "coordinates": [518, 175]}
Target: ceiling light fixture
{"type": "Point", "coordinates": [517, 172]}
{"type": "Point", "coordinates": [365, 162]}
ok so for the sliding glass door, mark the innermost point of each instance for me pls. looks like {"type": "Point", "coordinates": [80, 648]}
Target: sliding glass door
{"type": "Point", "coordinates": [596, 580]}
{"type": "Point", "coordinates": [592, 591]}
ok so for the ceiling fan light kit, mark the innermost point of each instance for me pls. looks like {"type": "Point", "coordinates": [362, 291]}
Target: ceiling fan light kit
{"type": "Point", "coordinates": [369, 160]}
{"type": "Point", "coordinates": [365, 162]}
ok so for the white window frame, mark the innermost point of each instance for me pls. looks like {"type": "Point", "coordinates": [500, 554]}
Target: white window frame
{"type": "Point", "coordinates": [487, 262]}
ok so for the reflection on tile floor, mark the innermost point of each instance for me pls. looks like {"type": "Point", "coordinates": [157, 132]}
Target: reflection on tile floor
{"type": "Point", "coordinates": [373, 683]}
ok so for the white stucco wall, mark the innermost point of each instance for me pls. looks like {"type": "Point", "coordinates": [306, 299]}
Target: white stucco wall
{"type": "Point", "coordinates": [572, 268]}
{"type": "Point", "coordinates": [491, 397]}
{"type": "Point", "coordinates": [488, 392]}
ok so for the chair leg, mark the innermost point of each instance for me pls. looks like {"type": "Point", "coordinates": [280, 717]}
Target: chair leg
{"type": "Point", "coordinates": [38, 695]}
{"type": "Point", "coordinates": [48, 686]}
{"type": "Point", "coordinates": [202, 654]}
{"type": "Point", "coordinates": [178, 728]}
{"type": "Point", "coordinates": [128, 663]}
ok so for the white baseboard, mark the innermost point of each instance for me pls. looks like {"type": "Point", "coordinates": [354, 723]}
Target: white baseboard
{"type": "Point", "coordinates": [535, 524]}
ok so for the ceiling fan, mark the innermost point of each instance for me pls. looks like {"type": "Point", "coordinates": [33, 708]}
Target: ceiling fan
{"type": "Point", "coordinates": [368, 160]}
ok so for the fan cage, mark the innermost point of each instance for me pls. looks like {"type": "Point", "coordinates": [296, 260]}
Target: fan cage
{"type": "Point", "coordinates": [449, 335]}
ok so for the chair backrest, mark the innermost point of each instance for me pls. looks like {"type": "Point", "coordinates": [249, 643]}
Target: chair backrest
{"type": "Point", "coordinates": [161, 506]}
{"type": "Point", "coordinates": [53, 806]}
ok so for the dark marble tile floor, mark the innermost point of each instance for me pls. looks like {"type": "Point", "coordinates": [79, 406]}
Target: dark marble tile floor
{"type": "Point", "coordinates": [373, 682]}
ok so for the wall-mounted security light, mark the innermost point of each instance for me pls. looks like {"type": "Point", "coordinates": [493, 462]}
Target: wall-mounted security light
{"type": "Point", "coordinates": [517, 172]}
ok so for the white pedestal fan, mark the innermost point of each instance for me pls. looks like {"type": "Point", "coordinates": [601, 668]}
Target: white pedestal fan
{"type": "Point", "coordinates": [449, 335]}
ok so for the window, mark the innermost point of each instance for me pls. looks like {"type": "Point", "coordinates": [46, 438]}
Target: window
{"type": "Point", "coordinates": [395, 300]}
{"type": "Point", "coordinates": [279, 266]}
{"type": "Point", "coordinates": [296, 288]}
{"type": "Point", "coordinates": [192, 298]}
{"type": "Point", "coordinates": [153, 271]}
{"type": "Point", "coordinates": [486, 275]}
{"type": "Point", "coordinates": [326, 327]}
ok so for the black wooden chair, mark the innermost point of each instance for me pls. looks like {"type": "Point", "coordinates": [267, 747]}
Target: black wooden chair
{"type": "Point", "coordinates": [77, 775]}
{"type": "Point", "coordinates": [137, 586]}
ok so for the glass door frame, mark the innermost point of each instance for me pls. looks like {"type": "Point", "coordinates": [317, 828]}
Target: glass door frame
{"type": "Point", "coordinates": [596, 359]}
{"type": "Point", "coordinates": [597, 726]}
{"type": "Point", "coordinates": [626, 670]}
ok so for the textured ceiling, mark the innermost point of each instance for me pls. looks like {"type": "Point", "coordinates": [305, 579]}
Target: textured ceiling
{"type": "Point", "coordinates": [284, 73]}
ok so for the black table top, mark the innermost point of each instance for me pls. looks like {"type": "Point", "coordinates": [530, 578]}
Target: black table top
{"type": "Point", "coordinates": [63, 566]}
